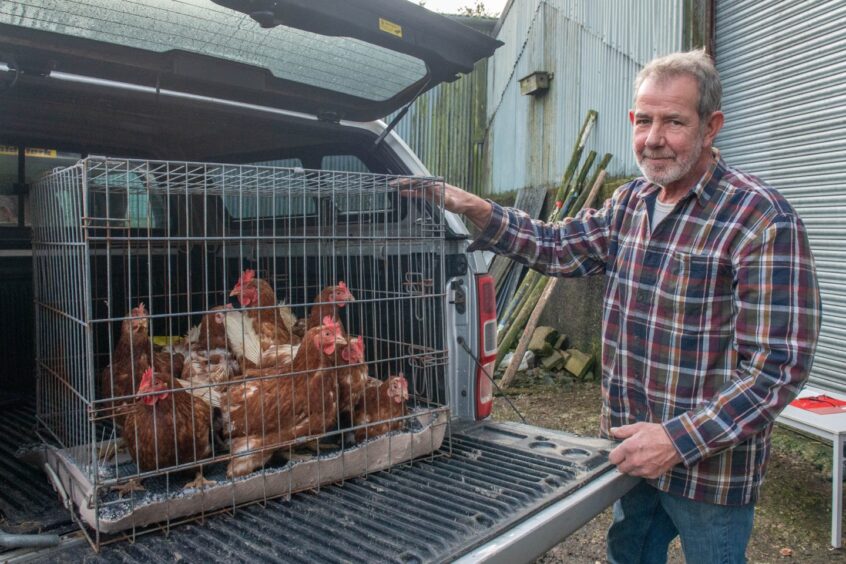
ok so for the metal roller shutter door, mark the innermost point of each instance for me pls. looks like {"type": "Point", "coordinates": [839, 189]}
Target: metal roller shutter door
{"type": "Point", "coordinates": [783, 67]}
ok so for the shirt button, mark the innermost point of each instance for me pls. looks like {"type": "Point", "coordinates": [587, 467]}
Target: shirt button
{"type": "Point", "coordinates": [641, 297]}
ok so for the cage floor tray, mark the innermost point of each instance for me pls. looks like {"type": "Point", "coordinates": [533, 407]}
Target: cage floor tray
{"type": "Point", "coordinates": [165, 498]}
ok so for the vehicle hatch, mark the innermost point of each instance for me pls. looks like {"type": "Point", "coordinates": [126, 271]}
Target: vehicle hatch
{"type": "Point", "coordinates": [333, 59]}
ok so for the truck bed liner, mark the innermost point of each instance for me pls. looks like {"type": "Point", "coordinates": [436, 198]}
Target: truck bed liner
{"type": "Point", "coordinates": [489, 477]}
{"type": "Point", "coordinates": [27, 502]}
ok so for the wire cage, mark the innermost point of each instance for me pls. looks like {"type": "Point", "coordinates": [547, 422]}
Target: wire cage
{"type": "Point", "coordinates": [213, 334]}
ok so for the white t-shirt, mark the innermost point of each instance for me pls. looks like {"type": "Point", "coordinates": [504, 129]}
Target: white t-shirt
{"type": "Point", "coordinates": [660, 212]}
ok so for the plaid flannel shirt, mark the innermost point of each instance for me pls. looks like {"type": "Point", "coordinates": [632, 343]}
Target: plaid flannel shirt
{"type": "Point", "coordinates": [710, 320]}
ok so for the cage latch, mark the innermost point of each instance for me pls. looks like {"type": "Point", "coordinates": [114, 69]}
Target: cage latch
{"type": "Point", "coordinates": [459, 296]}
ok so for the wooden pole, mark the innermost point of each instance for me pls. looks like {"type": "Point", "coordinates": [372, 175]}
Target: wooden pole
{"type": "Point", "coordinates": [535, 281]}
{"type": "Point", "coordinates": [578, 188]}
{"type": "Point", "coordinates": [603, 164]}
{"type": "Point", "coordinates": [514, 329]}
{"type": "Point", "coordinates": [564, 190]}
{"type": "Point", "coordinates": [551, 285]}
{"type": "Point", "coordinates": [523, 345]}
{"type": "Point", "coordinates": [594, 190]}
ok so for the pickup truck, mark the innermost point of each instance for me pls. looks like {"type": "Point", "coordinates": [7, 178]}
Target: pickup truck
{"type": "Point", "coordinates": [294, 83]}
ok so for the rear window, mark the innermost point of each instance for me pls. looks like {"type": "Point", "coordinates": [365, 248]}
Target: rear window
{"type": "Point", "coordinates": [126, 195]}
{"type": "Point", "coordinates": [268, 191]}
{"type": "Point", "coordinates": [345, 163]}
{"type": "Point", "coordinates": [338, 64]}
{"type": "Point", "coordinates": [38, 161]}
{"type": "Point", "coordinates": [284, 163]}
{"type": "Point", "coordinates": [363, 202]}
{"type": "Point", "coordinates": [261, 200]}
{"type": "Point", "coordinates": [281, 205]}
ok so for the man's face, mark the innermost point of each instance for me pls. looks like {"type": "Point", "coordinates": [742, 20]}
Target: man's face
{"type": "Point", "coordinates": [668, 136]}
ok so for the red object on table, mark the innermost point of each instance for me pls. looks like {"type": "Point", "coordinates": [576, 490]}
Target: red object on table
{"type": "Point", "coordinates": [821, 404]}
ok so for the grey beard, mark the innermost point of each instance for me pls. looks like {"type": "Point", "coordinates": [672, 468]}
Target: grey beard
{"type": "Point", "coordinates": [681, 168]}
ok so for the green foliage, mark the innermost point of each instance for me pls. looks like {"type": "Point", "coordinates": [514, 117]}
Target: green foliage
{"type": "Point", "coordinates": [802, 447]}
{"type": "Point", "coordinates": [475, 9]}
{"type": "Point", "coordinates": [504, 198]}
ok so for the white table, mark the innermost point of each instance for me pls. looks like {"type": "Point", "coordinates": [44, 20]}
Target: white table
{"type": "Point", "coordinates": [830, 427]}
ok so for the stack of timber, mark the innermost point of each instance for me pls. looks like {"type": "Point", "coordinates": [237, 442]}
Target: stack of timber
{"type": "Point", "coordinates": [507, 273]}
{"type": "Point", "coordinates": [552, 358]}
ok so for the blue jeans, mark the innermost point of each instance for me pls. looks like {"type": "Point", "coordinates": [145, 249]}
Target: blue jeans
{"type": "Point", "coordinates": [646, 520]}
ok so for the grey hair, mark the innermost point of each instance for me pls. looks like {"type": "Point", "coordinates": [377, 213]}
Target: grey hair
{"type": "Point", "coordinates": [696, 63]}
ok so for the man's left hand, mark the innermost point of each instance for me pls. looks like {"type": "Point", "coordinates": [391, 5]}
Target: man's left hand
{"type": "Point", "coordinates": [646, 450]}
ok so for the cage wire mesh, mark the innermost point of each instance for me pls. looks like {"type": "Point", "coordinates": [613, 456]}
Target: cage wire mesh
{"type": "Point", "coordinates": [199, 325]}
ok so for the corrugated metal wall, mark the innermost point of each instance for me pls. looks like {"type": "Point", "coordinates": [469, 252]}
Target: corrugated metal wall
{"type": "Point", "coordinates": [480, 133]}
{"type": "Point", "coordinates": [594, 48]}
{"type": "Point", "coordinates": [444, 127]}
{"type": "Point", "coordinates": [783, 66]}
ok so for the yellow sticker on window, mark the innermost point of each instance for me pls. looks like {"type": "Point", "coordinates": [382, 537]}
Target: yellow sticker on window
{"type": "Point", "coordinates": [390, 27]}
{"type": "Point", "coordinates": [29, 152]}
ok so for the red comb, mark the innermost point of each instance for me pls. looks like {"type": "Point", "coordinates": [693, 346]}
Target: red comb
{"type": "Point", "coordinates": [329, 322]}
{"type": "Point", "coordinates": [342, 285]}
{"type": "Point", "coordinates": [248, 275]}
{"type": "Point", "coordinates": [148, 375]}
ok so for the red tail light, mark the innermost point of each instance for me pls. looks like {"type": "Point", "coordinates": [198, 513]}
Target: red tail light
{"type": "Point", "coordinates": [486, 292]}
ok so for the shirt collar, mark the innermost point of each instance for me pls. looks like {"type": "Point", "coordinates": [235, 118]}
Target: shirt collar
{"type": "Point", "coordinates": [704, 188]}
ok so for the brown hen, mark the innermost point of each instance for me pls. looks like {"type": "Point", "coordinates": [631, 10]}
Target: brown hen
{"type": "Point", "coordinates": [284, 403]}
{"type": "Point", "coordinates": [210, 361]}
{"type": "Point", "coordinates": [352, 380]}
{"type": "Point", "coordinates": [379, 407]}
{"type": "Point", "coordinates": [166, 426]}
{"type": "Point", "coordinates": [258, 298]}
{"type": "Point", "coordinates": [327, 303]}
{"type": "Point", "coordinates": [131, 358]}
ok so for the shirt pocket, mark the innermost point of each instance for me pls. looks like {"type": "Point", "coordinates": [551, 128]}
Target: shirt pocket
{"type": "Point", "coordinates": [699, 285]}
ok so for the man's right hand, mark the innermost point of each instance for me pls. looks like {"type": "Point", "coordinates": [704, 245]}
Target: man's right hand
{"type": "Point", "coordinates": [646, 450]}
{"type": "Point", "coordinates": [456, 200]}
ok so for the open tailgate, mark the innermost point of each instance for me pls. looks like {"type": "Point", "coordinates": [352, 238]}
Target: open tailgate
{"type": "Point", "coordinates": [501, 492]}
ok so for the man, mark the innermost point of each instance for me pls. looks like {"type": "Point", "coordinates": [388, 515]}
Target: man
{"type": "Point", "coordinates": [711, 317]}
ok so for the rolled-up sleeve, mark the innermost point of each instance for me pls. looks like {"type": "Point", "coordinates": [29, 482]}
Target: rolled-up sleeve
{"type": "Point", "coordinates": [576, 246]}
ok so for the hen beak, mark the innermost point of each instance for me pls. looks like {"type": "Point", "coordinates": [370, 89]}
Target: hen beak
{"type": "Point", "coordinates": [343, 295]}
{"type": "Point", "coordinates": [340, 340]}
{"type": "Point", "coordinates": [235, 291]}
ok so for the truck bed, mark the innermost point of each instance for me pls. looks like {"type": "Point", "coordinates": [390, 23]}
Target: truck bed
{"type": "Point", "coordinates": [498, 491]}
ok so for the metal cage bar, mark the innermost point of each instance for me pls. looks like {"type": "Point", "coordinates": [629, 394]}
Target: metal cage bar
{"type": "Point", "coordinates": [234, 322]}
